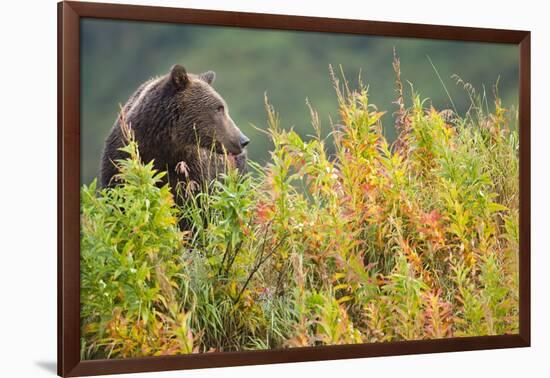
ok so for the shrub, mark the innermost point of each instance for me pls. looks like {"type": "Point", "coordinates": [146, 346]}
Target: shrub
{"type": "Point", "coordinates": [381, 242]}
{"type": "Point", "coordinates": [131, 267]}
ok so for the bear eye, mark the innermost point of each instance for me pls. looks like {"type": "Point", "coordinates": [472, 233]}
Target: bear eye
{"type": "Point", "coordinates": [220, 109]}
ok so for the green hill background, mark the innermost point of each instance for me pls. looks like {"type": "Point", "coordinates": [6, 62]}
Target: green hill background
{"type": "Point", "coordinates": [117, 56]}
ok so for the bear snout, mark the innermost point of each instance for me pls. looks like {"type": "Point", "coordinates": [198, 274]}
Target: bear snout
{"type": "Point", "coordinates": [237, 145]}
{"type": "Point", "coordinates": [244, 141]}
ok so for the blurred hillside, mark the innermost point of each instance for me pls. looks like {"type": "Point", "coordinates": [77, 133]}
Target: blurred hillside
{"type": "Point", "coordinates": [116, 57]}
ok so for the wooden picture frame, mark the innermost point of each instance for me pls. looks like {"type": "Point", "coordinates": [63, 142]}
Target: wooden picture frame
{"type": "Point", "coordinates": [69, 16]}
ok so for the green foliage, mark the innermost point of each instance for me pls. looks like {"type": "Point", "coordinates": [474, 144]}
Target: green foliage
{"type": "Point", "coordinates": [376, 242]}
{"type": "Point", "coordinates": [130, 266]}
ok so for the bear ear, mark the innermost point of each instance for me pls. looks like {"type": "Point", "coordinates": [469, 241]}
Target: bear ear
{"type": "Point", "coordinates": [208, 76]}
{"type": "Point", "coordinates": [179, 77]}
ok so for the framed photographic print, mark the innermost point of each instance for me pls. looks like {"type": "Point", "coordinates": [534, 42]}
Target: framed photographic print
{"type": "Point", "coordinates": [239, 188]}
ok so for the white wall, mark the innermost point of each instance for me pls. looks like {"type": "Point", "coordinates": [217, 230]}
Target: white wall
{"type": "Point", "coordinates": [28, 186]}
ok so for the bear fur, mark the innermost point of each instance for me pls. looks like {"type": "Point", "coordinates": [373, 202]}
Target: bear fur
{"type": "Point", "coordinates": [181, 123]}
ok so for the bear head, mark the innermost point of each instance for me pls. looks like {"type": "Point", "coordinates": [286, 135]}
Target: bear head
{"type": "Point", "coordinates": [200, 116]}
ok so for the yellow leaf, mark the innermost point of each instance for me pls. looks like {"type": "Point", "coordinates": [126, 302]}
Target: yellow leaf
{"type": "Point", "coordinates": [345, 298]}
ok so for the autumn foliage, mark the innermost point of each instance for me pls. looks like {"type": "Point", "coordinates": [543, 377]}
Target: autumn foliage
{"type": "Point", "coordinates": [375, 242]}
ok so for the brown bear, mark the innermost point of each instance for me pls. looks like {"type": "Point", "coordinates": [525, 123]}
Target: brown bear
{"type": "Point", "coordinates": [181, 123]}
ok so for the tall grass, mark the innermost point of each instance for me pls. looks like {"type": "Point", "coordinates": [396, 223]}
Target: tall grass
{"type": "Point", "coordinates": [381, 242]}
